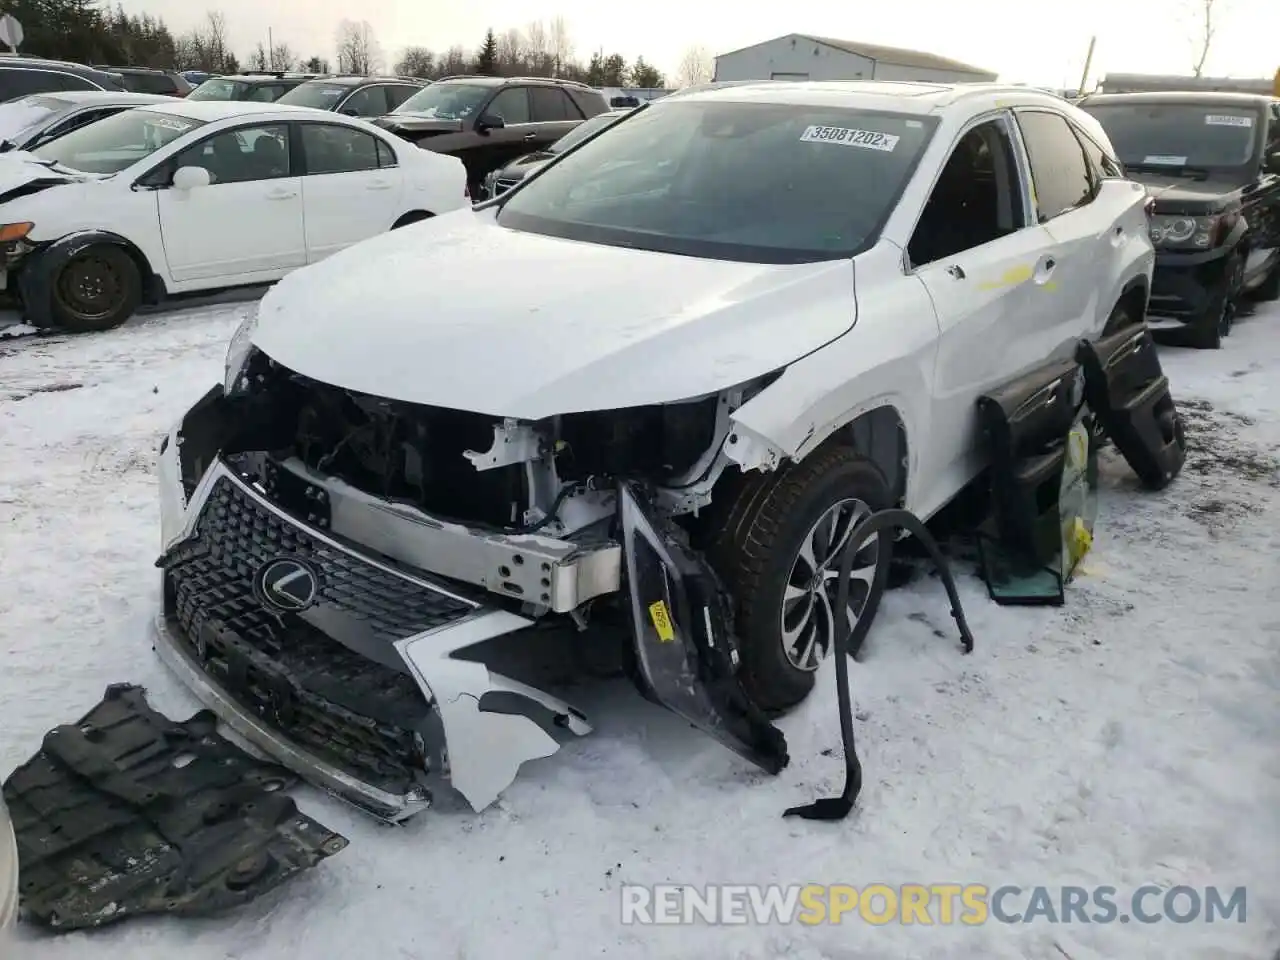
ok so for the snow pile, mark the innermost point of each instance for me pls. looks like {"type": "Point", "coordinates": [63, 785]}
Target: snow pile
{"type": "Point", "coordinates": [1127, 738]}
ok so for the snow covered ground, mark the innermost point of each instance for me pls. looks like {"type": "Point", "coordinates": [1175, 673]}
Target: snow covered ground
{"type": "Point", "coordinates": [1127, 738]}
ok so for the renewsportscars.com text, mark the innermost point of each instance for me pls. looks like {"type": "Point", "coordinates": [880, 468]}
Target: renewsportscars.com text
{"type": "Point", "coordinates": [940, 904]}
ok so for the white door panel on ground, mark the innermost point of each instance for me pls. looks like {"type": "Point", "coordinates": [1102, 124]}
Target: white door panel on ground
{"type": "Point", "coordinates": [225, 230]}
{"type": "Point", "coordinates": [999, 314]}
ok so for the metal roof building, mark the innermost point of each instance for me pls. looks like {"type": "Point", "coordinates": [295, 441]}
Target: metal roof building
{"type": "Point", "coordinates": [799, 56]}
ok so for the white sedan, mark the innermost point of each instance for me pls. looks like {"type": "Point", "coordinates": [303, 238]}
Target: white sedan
{"type": "Point", "coordinates": [187, 196]}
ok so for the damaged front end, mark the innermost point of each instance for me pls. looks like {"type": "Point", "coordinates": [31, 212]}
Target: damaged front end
{"type": "Point", "coordinates": [334, 565]}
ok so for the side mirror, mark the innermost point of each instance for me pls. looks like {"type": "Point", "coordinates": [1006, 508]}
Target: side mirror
{"type": "Point", "coordinates": [489, 121]}
{"type": "Point", "coordinates": [189, 178]}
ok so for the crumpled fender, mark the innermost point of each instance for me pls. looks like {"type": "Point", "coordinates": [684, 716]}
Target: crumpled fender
{"type": "Point", "coordinates": [35, 279]}
{"type": "Point", "coordinates": [886, 359]}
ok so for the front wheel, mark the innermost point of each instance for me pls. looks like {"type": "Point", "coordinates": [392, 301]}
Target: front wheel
{"type": "Point", "coordinates": [779, 550]}
{"type": "Point", "coordinates": [97, 289]}
{"type": "Point", "coordinates": [1213, 325]}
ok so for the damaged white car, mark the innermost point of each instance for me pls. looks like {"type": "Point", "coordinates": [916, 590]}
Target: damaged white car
{"type": "Point", "coordinates": [641, 403]}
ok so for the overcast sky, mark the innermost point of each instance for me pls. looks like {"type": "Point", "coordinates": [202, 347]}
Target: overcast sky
{"type": "Point", "coordinates": [1023, 40]}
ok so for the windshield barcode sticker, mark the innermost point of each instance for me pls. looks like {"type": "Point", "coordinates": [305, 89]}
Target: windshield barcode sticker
{"type": "Point", "coordinates": [1166, 161]}
{"type": "Point", "coordinates": [1226, 120]}
{"type": "Point", "coordinates": [867, 139]}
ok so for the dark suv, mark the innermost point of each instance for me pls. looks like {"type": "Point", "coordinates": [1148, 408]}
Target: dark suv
{"type": "Point", "coordinates": [259, 87]}
{"type": "Point", "coordinates": [354, 96]}
{"type": "Point", "coordinates": [23, 76]}
{"type": "Point", "coordinates": [1211, 163]}
{"type": "Point", "coordinates": [486, 122]}
{"type": "Point", "coordinates": [144, 80]}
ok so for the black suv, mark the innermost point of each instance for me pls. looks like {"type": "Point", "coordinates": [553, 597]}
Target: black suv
{"type": "Point", "coordinates": [486, 122]}
{"type": "Point", "coordinates": [145, 80]}
{"type": "Point", "coordinates": [1211, 163]}
{"type": "Point", "coordinates": [354, 96]}
{"type": "Point", "coordinates": [23, 76]}
{"type": "Point", "coordinates": [259, 87]}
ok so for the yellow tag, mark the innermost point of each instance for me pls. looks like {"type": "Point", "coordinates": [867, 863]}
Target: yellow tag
{"type": "Point", "coordinates": [661, 621]}
{"type": "Point", "coordinates": [1081, 540]}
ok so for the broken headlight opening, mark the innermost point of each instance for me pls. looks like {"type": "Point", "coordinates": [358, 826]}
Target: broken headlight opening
{"type": "Point", "coordinates": [238, 353]}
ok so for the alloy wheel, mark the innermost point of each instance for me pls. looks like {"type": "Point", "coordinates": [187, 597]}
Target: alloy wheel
{"type": "Point", "coordinates": [809, 615]}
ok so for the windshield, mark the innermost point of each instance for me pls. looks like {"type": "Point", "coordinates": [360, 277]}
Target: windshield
{"type": "Point", "coordinates": [315, 94]}
{"type": "Point", "coordinates": [583, 130]}
{"type": "Point", "coordinates": [115, 142]}
{"type": "Point", "coordinates": [218, 89]}
{"type": "Point", "coordinates": [445, 101]}
{"type": "Point", "coordinates": [18, 116]}
{"type": "Point", "coordinates": [755, 182]}
{"type": "Point", "coordinates": [1179, 134]}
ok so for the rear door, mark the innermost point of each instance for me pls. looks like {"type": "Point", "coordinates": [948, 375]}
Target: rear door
{"type": "Point", "coordinates": [366, 102]}
{"type": "Point", "coordinates": [247, 225]}
{"type": "Point", "coordinates": [554, 114]}
{"type": "Point", "coordinates": [352, 188]}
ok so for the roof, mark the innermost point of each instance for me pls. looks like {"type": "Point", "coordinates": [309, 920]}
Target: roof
{"type": "Point", "coordinates": [38, 63]}
{"type": "Point", "coordinates": [881, 54]}
{"type": "Point", "coordinates": [1207, 97]}
{"type": "Point", "coordinates": [106, 96]}
{"type": "Point", "coordinates": [209, 111]}
{"type": "Point", "coordinates": [888, 95]}
{"type": "Point", "coordinates": [357, 81]}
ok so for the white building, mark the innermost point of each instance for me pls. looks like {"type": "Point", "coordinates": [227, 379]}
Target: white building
{"type": "Point", "coordinates": [798, 56]}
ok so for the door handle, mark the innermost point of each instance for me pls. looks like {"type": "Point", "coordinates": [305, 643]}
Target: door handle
{"type": "Point", "coordinates": [530, 136]}
{"type": "Point", "coordinates": [280, 193]}
{"type": "Point", "coordinates": [956, 271]}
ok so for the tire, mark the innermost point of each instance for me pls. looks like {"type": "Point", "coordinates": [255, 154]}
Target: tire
{"type": "Point", "coordinates": [97, 289]}
{"type": "Point", "coordinates": [756, 549]}
{"type": "Point", "coordinates": [417, 216]}
{"type": "Point", "coordinates": [1269, 289]}
{"type": "Point", "coordinates": [1210, 328]}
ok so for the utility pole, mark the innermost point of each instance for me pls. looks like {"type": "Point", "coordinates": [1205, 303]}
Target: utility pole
{"type": "Point", "coordinates": [1088, 62]}
{"type": "Point", "coordinates": [271, 51]}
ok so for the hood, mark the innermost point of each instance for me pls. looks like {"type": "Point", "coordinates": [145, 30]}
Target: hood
{"type": "Point", "coordinates": [21, 174]}
{"type": "Point", "coordinates": [1184, 195]}
{"type": "Point", "coordinates": [518, 169]}
{"type": "Point", "coordinates": [461, 313]}
{"type": "Point", "coordinates": [418, 123]}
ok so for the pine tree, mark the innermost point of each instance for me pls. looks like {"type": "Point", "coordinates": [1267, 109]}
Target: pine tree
{"type": "Point", "coordinates": [487, 59]}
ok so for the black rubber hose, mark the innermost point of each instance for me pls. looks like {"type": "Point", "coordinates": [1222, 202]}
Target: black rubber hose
{"type": "Point", "coordinates": [837, 808]}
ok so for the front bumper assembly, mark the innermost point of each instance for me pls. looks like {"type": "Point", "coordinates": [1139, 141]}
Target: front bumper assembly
{"type": "Point", "coordinates": [362, 676]}
{"type": "Point", "coordinates": [358, 692]}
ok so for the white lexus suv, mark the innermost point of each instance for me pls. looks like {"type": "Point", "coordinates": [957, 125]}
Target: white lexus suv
{"type": "Point", "coordinates": [651, 387]}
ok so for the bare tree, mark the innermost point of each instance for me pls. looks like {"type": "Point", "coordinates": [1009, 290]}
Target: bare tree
{"type": "Point", "coordinates": [537, 48]}
{"type": "Point", "coordinates": [215, 40]}
{"type": "Point", "coordinates": [282, 57]}
{"type": "Point", "coordinates": [416, 62]}
{"type": "Point", "coordinates": [260, 58]}
{"type": "Point", "coordinates": [696, 66]}
{"type": "Point", "coordinates": [510, 51]}
{"type": "Point", "coordinates": [1205, 14]}
{"type": "Point", "coordinates": [358, 50]}
{"type": "Point", "coordinates": [205, 47]}
{"type": "Point", "coordinates": [454, 61]}
{"type": "Point", "coordinates": [560, 45]}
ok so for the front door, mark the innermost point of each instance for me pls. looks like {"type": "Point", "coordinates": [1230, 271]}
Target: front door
{"type": "Point", "coordinates": [352, 189]}
{"type": "Point", "coordinates": [247, 225]}
{"type": "Point", "coordinates": [989, 272]}
{"type": "Point", "coordinates": [516, 137]}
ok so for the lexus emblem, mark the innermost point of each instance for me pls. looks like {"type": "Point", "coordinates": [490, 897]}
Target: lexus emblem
{"type": "Point", "coordinates": [288, 585]}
